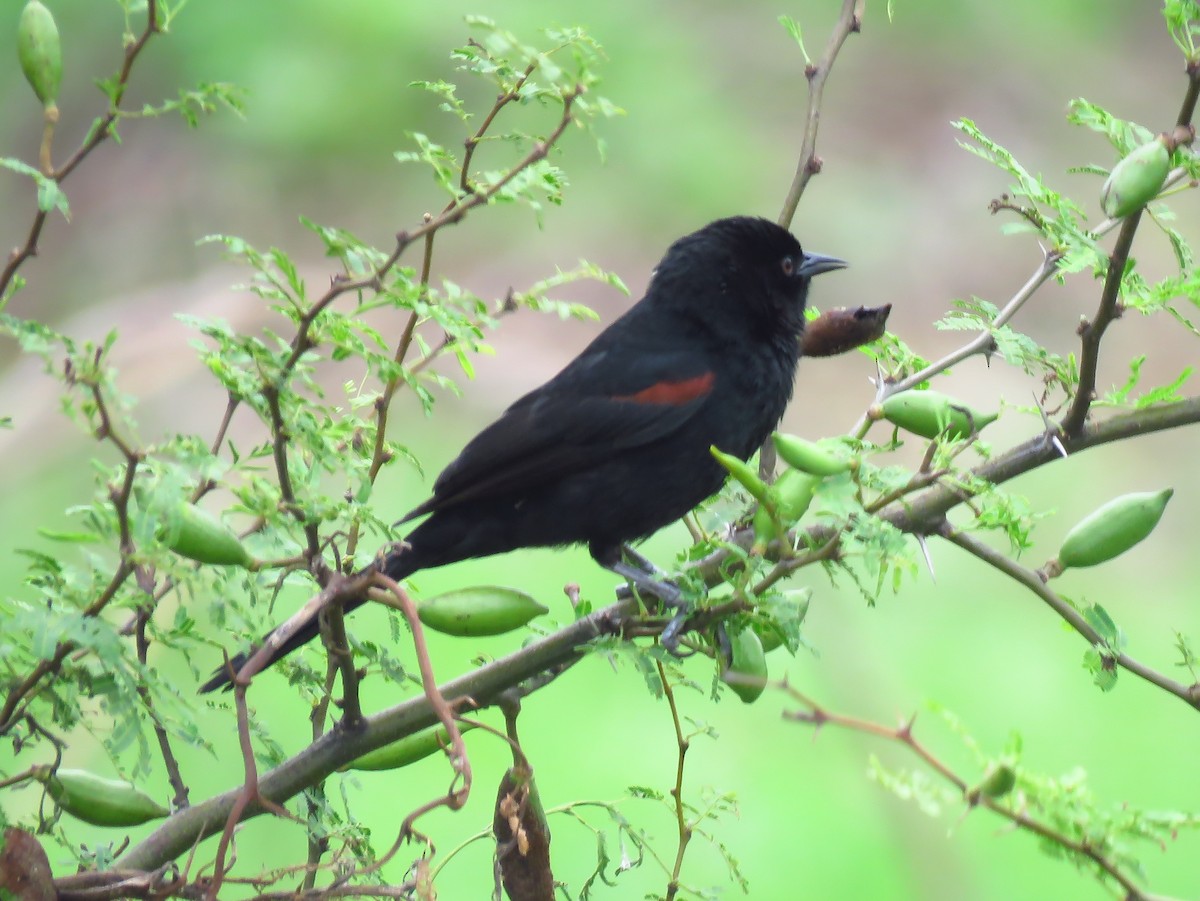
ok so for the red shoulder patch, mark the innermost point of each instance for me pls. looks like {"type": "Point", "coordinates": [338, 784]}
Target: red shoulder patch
{"type": "Point", "coordinates": [673, 393]}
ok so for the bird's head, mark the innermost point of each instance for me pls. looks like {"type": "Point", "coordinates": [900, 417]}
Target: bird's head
{"type": "Point", "coordinates": [752, 269]}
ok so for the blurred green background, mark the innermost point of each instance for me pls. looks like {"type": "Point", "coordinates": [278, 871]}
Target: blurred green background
{"type": "Point", "coordinates": [715, 95]}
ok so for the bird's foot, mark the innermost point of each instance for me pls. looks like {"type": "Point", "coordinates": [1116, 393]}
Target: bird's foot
{"type": "Point", "coordinates": [646, 579]}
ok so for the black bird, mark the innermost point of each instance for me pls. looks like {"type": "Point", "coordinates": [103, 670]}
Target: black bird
{"type": "Point", "coordinates": [616, 446]}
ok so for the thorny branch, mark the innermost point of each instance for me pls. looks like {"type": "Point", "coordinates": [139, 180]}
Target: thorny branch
{"type": "Point", "coordinates": [100, 130]}
{"type": "Point", "coordinates": [849, 22]}
{"type": "Point", "coordinates": [817, 716]}
{"type": "Point", "coordinates": [1189, 694]}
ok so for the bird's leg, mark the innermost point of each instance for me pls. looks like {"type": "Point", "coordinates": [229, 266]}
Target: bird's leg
{"type": "Point", "coordinates": [643, 563]}
{"type": "Point", "coordinates": [641, 573]}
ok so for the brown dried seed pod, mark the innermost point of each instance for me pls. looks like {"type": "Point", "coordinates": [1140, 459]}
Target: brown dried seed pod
{"type": "Point", "coordinates": [522, 838]}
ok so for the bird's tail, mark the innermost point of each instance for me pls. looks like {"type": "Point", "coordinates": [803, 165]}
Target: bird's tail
{"type": "Point", "coordinates": [399, 566]}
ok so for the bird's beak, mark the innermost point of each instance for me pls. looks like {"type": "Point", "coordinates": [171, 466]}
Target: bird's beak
{"type": "Point", "coordinates": [815, 263]}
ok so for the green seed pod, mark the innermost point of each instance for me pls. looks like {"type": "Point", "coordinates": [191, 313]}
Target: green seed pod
{"type": "Point", "coordinates": [765, 530]}
{"type": "Point", "coordinates": [998, 781]}
{"type": "Point", "coordinates": [1137, 179]}
{"type": "Point", "coordinates": [748, 664]}
{"type": "Point", "coordinates": [405, 751]}
{"type": "Point", "coordinates": [99, 801]}
{"type": "Point", "coordinates": [787, 613]}
{"type": "Point", "coordinates": [794, 492]}
{"type": "Point", "coordinates": [791, 494]}
{"type": "Point", "coordinates": [1111, 530]}
{"type": "Point", "coordinates": [929, 413]}
{"type": "Point", "coordinates": [40, 51]}
{"type": "Point", "coordinates": [483, 610]}
{"type": "Point", "coordinates": [200, 536]}
{"type": "Point", "coordinates": [743, 472]}
{"type": "Point", "coordinates": [808, 457]}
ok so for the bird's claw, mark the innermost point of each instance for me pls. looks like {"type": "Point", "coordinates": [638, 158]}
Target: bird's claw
{"type": "Point", "coordinates": [673, 633]}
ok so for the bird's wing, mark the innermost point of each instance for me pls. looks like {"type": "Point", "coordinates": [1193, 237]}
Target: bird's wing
{"type": "Point", "coordinates": [594, 409]}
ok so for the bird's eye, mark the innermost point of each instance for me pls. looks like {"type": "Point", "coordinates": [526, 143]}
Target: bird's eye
{"type": "Point", "coordinates": [788, 265]}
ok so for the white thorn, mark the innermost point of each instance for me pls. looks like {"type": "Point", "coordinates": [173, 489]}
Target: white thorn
{"type": "Point", "coordinates": [928, 559]}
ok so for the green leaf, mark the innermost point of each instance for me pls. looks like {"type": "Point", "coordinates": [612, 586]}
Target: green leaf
{"type": "Point", "coordinates": [793, 28]}
{"type": "Point", "coordinates": [69, 537]}
{"type": "Point", "coordinates": [1183, 23]}
{"type": "Point", "coordinates": [1123, 135]}
{"type": "Point", "coordinates": [50, 195]}
{"type": "Point", "coordinates": [1098, 618]}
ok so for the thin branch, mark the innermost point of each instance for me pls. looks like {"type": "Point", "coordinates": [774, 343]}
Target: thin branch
{"type": "Point", "coordinates": [683, 829]}
{"type": "Point", "coordinates": [1187, 109]}
{"type": "Point", "coordinates": [818, 716]}
{"type": "Point", "coordinates": [808, 163]}
{"type": "Point", "coordinates": [1092, 333]}
{"type": "Point", "coordinates": [1189, 694]}
{"type": "Point", "coordinates": [99, 131]}
{"type": "Point", "coordinates": [160, 732]}
{"type": "Point", "coordinates": [983, 342]}
{"type": "Point", "coordinates": [444, 711]}
{"type": "Point", "coordinates": [287, 496]}
{"type": "Point", "coordinates": [452, 215]}
{"type": "Point", "coordinates": [849, 22]}
{"type": "Point", "coordinates": [1109, 309]}
{"type": "Point", "coordinates": [483, 686]}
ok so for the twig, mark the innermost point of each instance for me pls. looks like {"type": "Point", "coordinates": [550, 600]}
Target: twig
{"type": "Point", "coordinates": [247, 795]}
{"type": "Point", "coordinates": [455, 798]}
{"type": "Point", "coordinates": [984, 341]}
{"type": "Point", "coordinates": [808, 163]}
{"type": "Point", "coordinates": [683, 829]}
{"type": "Point", "coordinates": [1189, 694]}
{"type": "Point", "coordinates": [21, 693]}
{"type": "Point", "coordinates": [287, 496]}
{"type": "Point", "coordinates": [849, 21]}
{"type": "Point", "coordinates": [160, 732]}
{"type": "Point", "coordinates": [925, 512]}
{"type": "Point", "coordinates": [337, 589]}
{"type": "Point", "coordinates": [452, 215]}
{"type": "Point", "coordinates": [339, 746]}
{"type": "Point", "coordinates": [818, 716]}
{"type": "Point", "coordinates": [1092, 332]}
{"type": "Point", "coordinates": [99, 131]}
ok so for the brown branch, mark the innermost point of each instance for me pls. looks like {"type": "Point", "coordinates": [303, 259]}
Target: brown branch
{"type": "Point", "coordinates": [1092, 333]}
{"type": "Point", "coordinates": [231, 406]}
{"type": "Point", "coordinates": [1187, 109]}
{"type": "Point", "coordinates": [338, 588]}
{"type": "Point", "coordinates": [849, 22]}
{"type": "Point", "coordinates": [160, 732]}
{"type": "Point", "coordinates": [818, 716]}
{"type": "Point", "coordinates": [248, 795]}
{"type": "Point", "coordinates": [1109, 308]}
{"type": "Point", "coordinates": [451, 216]}
{"type": "Point", "coordinates": [1189, 694]}
{"type": "Point", "coordinates": [808, 164]}
{"type": "Point", "coordinates": [683, 829]}
{"type": "Point", "coordinates": [99, 131]}
{"type": "Point", "coordinates": [444, 711]}
{"type": "Point", "coordinates": [279, 440]}
{"type": "Point", "coordinates": [483, 686]}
